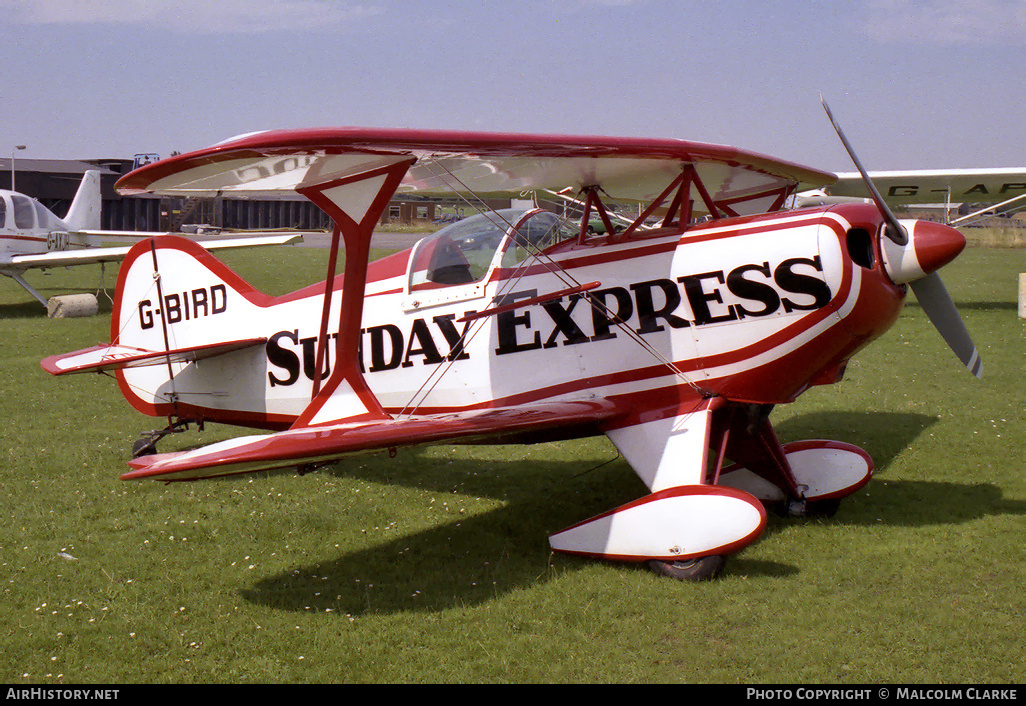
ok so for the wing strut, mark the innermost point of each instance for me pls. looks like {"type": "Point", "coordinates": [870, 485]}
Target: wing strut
{"type": "Point", "coordinates": [26, 286]}
{"type": "Point", "coordinates": [322, 335]}
{"type": "Point", "coordinates": [355, 204]}
{"type": "Point", "coordinates": [681, 205]}
{"type": "Point", "coordinates": [591, 199]}
{"type": "Point", "coordinates": [684, 205]}
{"type": "Point", "coordinates": [985, 209]}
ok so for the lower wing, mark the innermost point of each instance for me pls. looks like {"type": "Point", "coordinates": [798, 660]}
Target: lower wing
{"type": "Point", "coordinates": [325, 443]}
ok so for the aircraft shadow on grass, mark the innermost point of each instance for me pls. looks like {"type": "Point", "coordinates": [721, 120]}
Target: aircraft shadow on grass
{"type": "Point", "coordinates": [472, 559]}
{"type": "Point", "coordinates": [23, 310]}
{"type": "Point", "coordinates": [900, 503]}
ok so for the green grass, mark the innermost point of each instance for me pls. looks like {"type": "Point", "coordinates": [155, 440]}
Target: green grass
{"type": "Point", "coordinates": [1001, 237]}
{"type": "Point", "coordinates": [433, 566]}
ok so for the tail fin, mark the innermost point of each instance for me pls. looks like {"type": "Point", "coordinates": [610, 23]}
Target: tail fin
{"type": "Point", "coordinates": [84, 213]}
{"type": "Point", "coordinates": [172, 293]}
{"type": "Point", "coordinates": [176, 303]}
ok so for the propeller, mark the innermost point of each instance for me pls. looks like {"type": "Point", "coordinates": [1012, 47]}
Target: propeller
{"type": "Point", "coordinates": [895, 231]}
{"type": "Point", "coordinates": [914, 260]}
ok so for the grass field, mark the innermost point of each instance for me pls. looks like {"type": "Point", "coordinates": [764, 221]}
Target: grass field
{"type": "Point", "coordinates": [433, 566]}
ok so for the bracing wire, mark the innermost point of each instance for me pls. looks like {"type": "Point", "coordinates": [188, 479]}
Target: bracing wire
{"type": "Point", "coordinates": [535, 256]}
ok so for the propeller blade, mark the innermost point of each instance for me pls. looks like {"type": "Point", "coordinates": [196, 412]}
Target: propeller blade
{"type": "Point", "coordinates": [940, 309]}
{"type": "Point", "coordinates": [929, 289]}
{"type": "Point", "coordinates": [894, 229]}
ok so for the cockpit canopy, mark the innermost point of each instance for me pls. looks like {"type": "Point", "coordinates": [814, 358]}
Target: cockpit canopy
{"type": "Point", "coordinates": [464, 252]}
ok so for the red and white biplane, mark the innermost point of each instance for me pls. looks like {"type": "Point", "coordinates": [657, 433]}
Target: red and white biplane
{"type": "Point", "coordinates": [674, 335]}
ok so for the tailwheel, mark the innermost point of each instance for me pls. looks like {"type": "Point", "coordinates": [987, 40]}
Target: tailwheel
{"type": "Point", "coordinates": [146, 445]}
{"type": "Point", "coordinates": [704, 568]}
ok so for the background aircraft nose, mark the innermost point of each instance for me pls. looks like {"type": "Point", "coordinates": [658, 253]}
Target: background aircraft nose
{"type": "Point", "coordinates": [930, 246]}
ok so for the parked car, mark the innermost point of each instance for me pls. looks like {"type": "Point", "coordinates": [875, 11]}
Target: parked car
{"type": "Point", "coordinates": [597, 227]}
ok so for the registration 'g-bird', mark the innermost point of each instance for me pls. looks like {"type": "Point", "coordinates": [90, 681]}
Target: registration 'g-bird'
{"type": "Point", "coordinates": [673, 330]}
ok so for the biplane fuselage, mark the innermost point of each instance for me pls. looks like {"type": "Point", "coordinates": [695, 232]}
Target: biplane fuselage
{"type": "Point", "coordinates": [736, 310]}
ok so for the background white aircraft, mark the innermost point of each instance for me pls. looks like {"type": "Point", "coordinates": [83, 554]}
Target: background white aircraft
{"type": "Point", "coordinates": [1000, 190]}
{"type": "Point", "coordinates": [32, 237]}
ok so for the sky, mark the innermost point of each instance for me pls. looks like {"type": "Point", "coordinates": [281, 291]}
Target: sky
{"type": "Point", "coordinates": [916, 84]}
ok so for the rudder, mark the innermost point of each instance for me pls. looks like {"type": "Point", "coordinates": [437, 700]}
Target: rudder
{"type": "Point", "coordinates": [84, 213]}
{"type": "Point", "coordinates": [172, 293]}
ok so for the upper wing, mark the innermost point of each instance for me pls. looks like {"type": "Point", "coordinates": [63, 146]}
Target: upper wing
{"type": "Point", "coordinates": [351, 173]}
{"type": "Point", "coordinates": [268, 163]}
{"type": "Point", "coordinates": [311, 445]}
{"type": "Point", "coordinates": [936, 186]}
{"type": "Point", "coordinates": [89, 256]}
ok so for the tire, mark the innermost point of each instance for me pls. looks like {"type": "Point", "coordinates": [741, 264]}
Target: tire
{"type": "Point", "coordinates": [816, 509]}
{"type": "Point", "coordinates": [823, 508]}
{"type": "Point", "coordinates": [704, 568]}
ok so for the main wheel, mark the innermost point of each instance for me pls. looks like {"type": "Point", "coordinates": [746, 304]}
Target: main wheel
{"type": "Point", "coordinates": [704, 568]}
{"type": "Point", "coordinates": [823, 509]}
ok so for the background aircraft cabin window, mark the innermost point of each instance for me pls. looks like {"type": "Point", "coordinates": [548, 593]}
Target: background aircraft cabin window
{"type": "Point", "coordinates": [44, 219]}
{"type": "Point", "coordinates": [3, 212]}
{"type": "Point", "coordinates": [460, 253]}
{"type": "Point", "coordinates": [23, 212]}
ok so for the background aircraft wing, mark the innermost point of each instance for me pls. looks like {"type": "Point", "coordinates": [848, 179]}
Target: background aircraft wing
{"type": "Point", "coordinates": [313, 445]}
{"type": "Point", "coordinates": [66, 258]}
{"type": "Point", "coordinates": [88, 256]}
{"type": "Point", "coordinates": [936, 186]}
{"type": "Point", "coordinates": [627, 169]}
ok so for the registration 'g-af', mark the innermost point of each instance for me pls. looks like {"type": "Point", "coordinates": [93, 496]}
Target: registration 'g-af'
{"type": "Point", "coordinates": [672, 323]}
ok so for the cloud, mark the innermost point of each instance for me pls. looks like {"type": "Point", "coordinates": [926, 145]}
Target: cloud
{"type": "Point", "coordinates": [199, 16]}
{"type": "Point", "coordinates": [966, 22]}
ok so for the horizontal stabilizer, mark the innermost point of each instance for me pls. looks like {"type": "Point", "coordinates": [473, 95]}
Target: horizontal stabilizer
{"type": "Point", "coordinates": [321, 444]}
{"type": "Point", "coordinates": [104, 358]}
